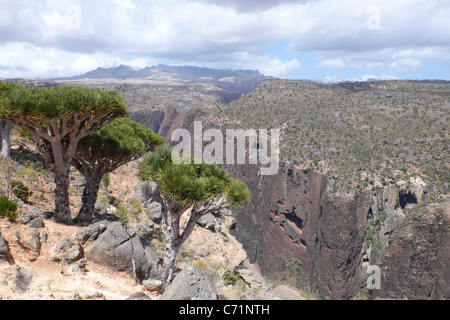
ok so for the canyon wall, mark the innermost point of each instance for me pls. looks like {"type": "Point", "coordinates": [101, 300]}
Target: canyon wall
{"type": "Point", "coordinates": [294, 223]}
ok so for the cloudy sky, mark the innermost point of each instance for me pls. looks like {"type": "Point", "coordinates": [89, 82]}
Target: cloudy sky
{"type": "Point", "coordinates": [328, 40]}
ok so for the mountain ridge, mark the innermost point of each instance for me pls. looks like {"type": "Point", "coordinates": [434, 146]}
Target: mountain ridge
{"type": "Point", "coordinates": [187, 73]}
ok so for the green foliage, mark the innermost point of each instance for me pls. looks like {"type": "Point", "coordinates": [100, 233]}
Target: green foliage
{"type": "Point", "coordinates": [106, 180]}
{"type": "Point", "coordinates": [121, 212]}
{"type": "Point", "coordinates": [230, 278]}
{"type": "Point", "coordinates": [21, 191]}
{"type": "Point", "coordinates": [369, 238]}
{"type": "Point", "coordinates": [24, 134]}
{"type": "Point", "coordinates": [190, 184]}
{"type": "Point", "coordinates": [59, 102]}
{"type": "Point", "coordinates": [8, 208]}
{"type": "Point", "coordinates": [6, 87]}
{"type": "Point", "coordinates": [121, 138]}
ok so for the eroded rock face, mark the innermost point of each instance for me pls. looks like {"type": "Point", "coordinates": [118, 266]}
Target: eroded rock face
{"type": "Point", "coordinates": [337, 251]}
{"type": "Point", "coordinates": [415, 264]}
{"type": "Point", "coordinates": [293, 217]}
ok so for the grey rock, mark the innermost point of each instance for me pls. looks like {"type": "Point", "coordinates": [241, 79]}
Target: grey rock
{"type": "Point", "coordinates": [73, 254]}
{"type": "Point", "coordinates": [78, 267]}
{"type": "Point", "coordinates": [154, 211]}
{"type": "Point", "coordinates": [226, 212]}
{"type": "Point", "coordinates": [4, 249]}
{"type": "Point", "coordinates": [152, 285]}
{"type": "Point", "coordinates": [143, 230]}
{"type": "Point", "coordinates": [252, 278]}
{"type": "Point", "coordinates": [207, 221]}
{"type": "Point", "coordinates": [79, 182]}
{"type": "Point", "coordinates": [139, 296]}
{"type": "Point", "coordinates": [36, 223]}
{"type": "Point", "coordinates": [33, 220]}
{"type": "Point", "coordinates": [22, 279]}
{"type": "Point", "coordinates": [190, 284]}
{"type": "Point", "coordinates": [217, 228]}
{"type": "Point", "coordinates": [24, 218]}
{"type": "Point", "coordinates": [67, 251]}
{"type": "Point", "coordinates": [31, 241]}
{"type": "Point", "coordinates": [115, 249]}
{"type": "Point", "coordinates": [91, 232]}
{"type": "Point", "coordinates": [146, 192]}
{"type": "Point", "coordinates": [47, 214]}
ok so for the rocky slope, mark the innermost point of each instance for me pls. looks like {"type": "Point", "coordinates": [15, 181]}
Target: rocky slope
{"type": "Point", "coordinates": [42, 259]}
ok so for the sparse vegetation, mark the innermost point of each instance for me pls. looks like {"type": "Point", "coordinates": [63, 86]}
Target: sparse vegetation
{"type": "Point", "coordinates": [21, 191]}
{"type": "Point", "coordinates": [385, 130]}
{"type": "Point", "coordinates": [8, 208]}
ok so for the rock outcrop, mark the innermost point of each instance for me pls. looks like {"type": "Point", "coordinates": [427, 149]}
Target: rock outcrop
{"type": "Point", "coordinates": [334, 237]}
{"type": "Point", "coordinates": [124, 250]}
{"type": "Point", "coordinates": [190, 284]}
{"type": "Point", "coordinates": [415, 264]}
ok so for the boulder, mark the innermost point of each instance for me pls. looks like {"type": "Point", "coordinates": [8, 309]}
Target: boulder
{"type": "Point", "coordinates": [67, 251]}
{"type": "Point", "coordinates": [22, 279]}
{"type": "Point", "coordinates": [117, 248]}
{"type": "Point", "coordinates": [154, 211]}
{"type": "Point", "coordinates": [33, 220]}
{"type": "Point", "coordinates": [211, 222]}
{"type": "Point", "coordinates": [152, 285]}
{"type": "Point", "coordinates": [31, 241]}
{"type": "Point", "coordinates": [91, 232]}
{"type": "Point", "coordinates": [207, 221]}
{"type": "Point", "coordinates": [252, 278]}
{"type": "Point", "coordinates": [190, 284]}
{"type": "Point", "coordinates": [146, 192]}
{"type": "Point", "coordinates": [4, 249]}
{"type": "Point", "coordinates": [36, 223]}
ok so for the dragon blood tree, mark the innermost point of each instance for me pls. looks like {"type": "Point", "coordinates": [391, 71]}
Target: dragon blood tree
{"type": "Point", "coordinates": [58, 118]}
{"type": "Point", "coordinates": [196, 189]}
{"type": "Point", "coordinates": [6, 126]}
{"type": "Point", "coordinates": [103, 151]}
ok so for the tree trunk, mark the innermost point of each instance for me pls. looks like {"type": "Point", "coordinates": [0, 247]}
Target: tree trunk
{"type": "Point", "coordinates": [89, 197]}
{"type": "Point", "coordinates": [168, 267]}
{"type": "Point", "coordinates": [173, 241]}
{"type": "Point", "coordinates": [6, 138]}
{"type": "Point", "coordinates": [62, 205]}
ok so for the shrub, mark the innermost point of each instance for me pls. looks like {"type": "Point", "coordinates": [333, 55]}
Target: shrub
{"type": "Point", "coordinates": [8, 208]}
{"type": "Point", "coordinates": [21, 191]}
{"type": "Point", "coordinates": [230, 278]}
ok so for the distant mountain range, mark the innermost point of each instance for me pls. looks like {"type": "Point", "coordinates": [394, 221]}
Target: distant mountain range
{"type": "Point", "coordinates": [165, 72]}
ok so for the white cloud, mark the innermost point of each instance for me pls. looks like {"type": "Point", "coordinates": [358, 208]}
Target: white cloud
{"type": "Point", "coordinates": [278, 68]}
{"type": "Point", "coordinates": [380, 77]}
{"type": "Point", "coordinates": [331, 63]}
{"type": "Point", "coordinates": [221, 33]}
{"type": "Point", "coordinates": [405, 63]}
